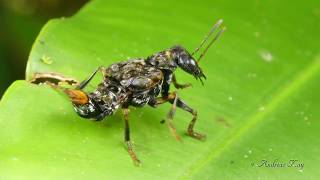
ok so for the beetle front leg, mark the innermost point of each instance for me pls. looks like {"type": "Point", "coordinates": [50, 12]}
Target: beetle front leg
{"type": "Point", "coordinates": [127, 141]}
{"type": "Point", "coordinates": [179, 86]}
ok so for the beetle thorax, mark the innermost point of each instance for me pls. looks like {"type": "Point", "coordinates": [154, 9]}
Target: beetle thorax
{"type": "Point", "coordinates": [163, 60]}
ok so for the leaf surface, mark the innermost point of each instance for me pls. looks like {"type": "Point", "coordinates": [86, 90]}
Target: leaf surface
{"type": "Point", "coordinates": [260, 100]}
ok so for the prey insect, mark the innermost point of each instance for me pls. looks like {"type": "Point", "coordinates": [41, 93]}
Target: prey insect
{"type": "Point", "coordinates": [143, 81]}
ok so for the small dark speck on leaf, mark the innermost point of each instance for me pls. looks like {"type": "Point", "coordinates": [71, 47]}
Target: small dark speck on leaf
{"type": "Point", "coordinates": [223, 121]}
{"type": "Point", "coordinates": [41, 41]}
{"type": "Point", "coordinates": [231, 162]}
{"type": "Point", "coordinates": [162, 121]}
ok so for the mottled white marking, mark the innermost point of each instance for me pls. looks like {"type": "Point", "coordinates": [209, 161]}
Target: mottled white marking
{"type": "Point", "coordinates": [169, 79]}
{"type": "Point", "coordinates": [114, 67]}
{"type": "Point", "coordinates": [91, 108]}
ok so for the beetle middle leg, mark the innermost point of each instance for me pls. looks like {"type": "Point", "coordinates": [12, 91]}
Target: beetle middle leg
{"type": "Point", "coordinates": [127, 141]}
{"type": "Point", "coordinates": [171, 114]}
{"type": "Point", "coordinates": [176, 101]}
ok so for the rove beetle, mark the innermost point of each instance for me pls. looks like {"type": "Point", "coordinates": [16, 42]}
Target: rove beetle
{"type": "Point", "coordinates": [140, 81]}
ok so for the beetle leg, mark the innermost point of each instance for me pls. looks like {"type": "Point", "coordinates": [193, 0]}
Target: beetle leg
{"type": "Point", "coordinates": [127, 141]}
{"type": "Point", "coordinates": [179, 86]}
{"type": "Point", "coordinates": [176, 101]}
{"type": "Point", "coordinates": [84, 83]}
{"type": "Point", "coordinates": [172, 98]}
{"type": "Point", "coordinates": [190, 130]}
{"type": "Point", "coordinates": [171, 114]}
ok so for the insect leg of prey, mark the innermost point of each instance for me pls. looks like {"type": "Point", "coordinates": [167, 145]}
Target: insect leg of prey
{"type": "Point", "coordinates": [84, 83]}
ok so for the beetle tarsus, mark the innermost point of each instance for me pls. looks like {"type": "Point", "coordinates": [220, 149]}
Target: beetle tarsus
{"type": "Point", "coordinates": [190, 130]}
{"type": "Point", "coordinates": [182, 86]}
{"type": "Point", "coordinates": [132, 154]}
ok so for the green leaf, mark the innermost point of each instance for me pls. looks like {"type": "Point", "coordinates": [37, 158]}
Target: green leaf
{"type": "Point", "coordinates": [260, 100]}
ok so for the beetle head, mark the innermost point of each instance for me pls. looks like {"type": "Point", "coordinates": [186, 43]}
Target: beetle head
{"type": "Point", "coordinates": [178, 56]}
{"type": "Point", "coordinates": [185, 61]}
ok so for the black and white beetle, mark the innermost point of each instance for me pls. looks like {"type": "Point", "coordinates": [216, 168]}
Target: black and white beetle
{"type": "Point", "coordinates": [138, 82]}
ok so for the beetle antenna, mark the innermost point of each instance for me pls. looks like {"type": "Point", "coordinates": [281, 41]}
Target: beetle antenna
{"type": "Point", "coordinates": [213, 40]}
{"type": "Point", "coordinates": [215, 26]}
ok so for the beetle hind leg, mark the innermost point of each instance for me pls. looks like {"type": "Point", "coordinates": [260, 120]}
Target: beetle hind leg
{"type": "Point", "coordinates": [127, 140]}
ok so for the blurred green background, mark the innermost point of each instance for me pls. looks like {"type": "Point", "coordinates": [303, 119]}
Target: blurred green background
{"type": "Point", "coordinates": [21, 22]}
